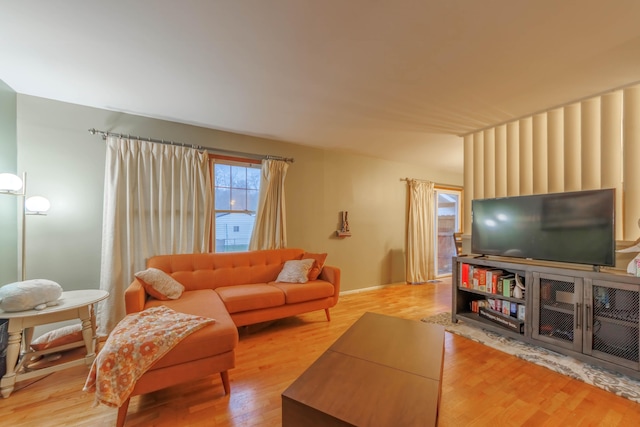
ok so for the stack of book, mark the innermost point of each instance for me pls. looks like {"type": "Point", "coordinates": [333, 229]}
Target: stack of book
{"type": "Point", "coordinates": [490, 280]}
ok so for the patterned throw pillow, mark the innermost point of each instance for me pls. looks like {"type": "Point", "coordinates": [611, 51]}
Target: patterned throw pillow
{"type": "Point", "coordinates": [295, 271]}
{"type": "Point", "coordinates": [159, 284]}
{"type": "Point", "coordinates": [317, 265]}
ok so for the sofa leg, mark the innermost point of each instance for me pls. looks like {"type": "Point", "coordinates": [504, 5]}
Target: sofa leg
{"type": "Point", "coordinates": [122, 413]}
{"type": "Point", "coordinates": [225, 382]}
{"type": "Point", "coordinates": [326, 311]}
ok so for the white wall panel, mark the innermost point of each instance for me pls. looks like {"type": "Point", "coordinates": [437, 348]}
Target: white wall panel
{"type": "Point", "coordinates": [540, 175]}
{"type": "Point", "coordinates": [572, 156]}
{"type": "Point", "coordinates": [468, 182]}
{"type": "Point", "coordinates": [501, 160]}
{"type": "Point", "coordinates": [590, 144]}
{"type": "Point", "coordinates": [489, 164]}
{"type": "Point", "coordinates": [513, 159]}
{"type": "Point", "coordinates": [631, 159]}
{"type": "Point", "coordinates": [478, 165]}
{"type": "Point", "coordinates": [526, 156]}
{"type": "Point", "coordinates": [611, 151]}
{"type": "Point", "coordinates": [555, 150]}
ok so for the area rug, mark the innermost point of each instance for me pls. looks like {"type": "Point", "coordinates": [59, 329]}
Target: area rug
{"type": "Point", "coordinates": [605, 379]}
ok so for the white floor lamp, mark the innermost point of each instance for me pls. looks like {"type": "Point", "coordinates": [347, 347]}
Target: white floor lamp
{"type": "Point", "coordinates": [37, 205]}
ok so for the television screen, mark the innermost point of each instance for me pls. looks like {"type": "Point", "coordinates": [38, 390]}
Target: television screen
{"type": "Point", "coordinates": [575, 227]}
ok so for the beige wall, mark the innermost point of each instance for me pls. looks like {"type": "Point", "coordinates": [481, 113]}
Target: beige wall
{"type": "Point", "coordinates": [66, 164]}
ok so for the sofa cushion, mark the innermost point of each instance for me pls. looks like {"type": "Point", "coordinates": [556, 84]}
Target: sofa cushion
{"type": "Point", "coordinates": [317, 265]}
{"type": "Point", "coordinates": [316, 289]}
{"type": "Point", "coordinates": [295, 271]}
{"type": "Point", "coordinates": [218, 338]}
{"type": "Point", "coordinates": [250, 297]}
{"type": "Point", "coordinates": [159, 284]}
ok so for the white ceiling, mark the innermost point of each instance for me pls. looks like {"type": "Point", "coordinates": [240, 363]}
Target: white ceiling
{"type": "Point", "coordinates": [397, 79]}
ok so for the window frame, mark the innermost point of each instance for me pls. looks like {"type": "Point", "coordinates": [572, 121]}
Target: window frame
{"type": "Point", "coordinates": [215, 159]}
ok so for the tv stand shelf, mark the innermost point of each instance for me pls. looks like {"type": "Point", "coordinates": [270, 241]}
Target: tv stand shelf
{"type": "Point", "coordinates": [593, 316]}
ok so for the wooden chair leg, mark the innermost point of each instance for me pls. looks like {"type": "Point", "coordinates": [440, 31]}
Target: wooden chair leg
{"type": "Point", "coordinates": [122, 413]}
{"type": "Point", "coordinates": [326, 311]}
{"type": "Point", "coordinates": [225, 382]}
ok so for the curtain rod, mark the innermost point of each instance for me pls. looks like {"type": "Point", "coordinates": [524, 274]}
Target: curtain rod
{"type": "Point", "coordinates": [104, 135]}
{"type": "Point", "coordinates": [434, 183]}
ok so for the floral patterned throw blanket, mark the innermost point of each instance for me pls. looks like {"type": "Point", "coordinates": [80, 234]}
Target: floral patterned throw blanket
{"type": "Point", "coordinates": [136, 343]}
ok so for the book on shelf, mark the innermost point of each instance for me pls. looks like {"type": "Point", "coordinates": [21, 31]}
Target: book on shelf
{"type": "Point", "coordinates": [477, 304]}
{"type": "Point", "coordinates": [513, 312]}
{"type": "Point", "coordinates": [499, 318]}
{"type": "Point", "coordinates": [506, 308]}
{"type": "Point", "coordinates": [493, 277]}
{"type": "Point", "coordinates": [480, 279]}
{"type": "Point", "coordinates": [508, 283]}
{"type": "Point", "coordinates": [464, 275]}
{"type": "Point", "coordinates": [499, 285]}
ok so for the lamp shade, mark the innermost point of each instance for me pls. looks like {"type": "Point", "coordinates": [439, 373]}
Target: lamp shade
{"type": "Point", "coordinates": [10, 182]}
{"type": "Point", "coordinates": [37, 205]}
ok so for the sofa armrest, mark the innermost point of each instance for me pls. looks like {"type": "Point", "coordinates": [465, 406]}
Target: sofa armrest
{"type": "Point", "coordinates": [332, 275]}
{"type": "Point", "coordinates": [134, 297]}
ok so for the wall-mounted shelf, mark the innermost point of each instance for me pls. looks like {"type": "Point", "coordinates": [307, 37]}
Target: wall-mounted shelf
{"type": "Point", "coordinates": [343, 233]}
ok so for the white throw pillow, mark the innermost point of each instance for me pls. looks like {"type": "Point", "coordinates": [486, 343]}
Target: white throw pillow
{"type": "Point", "coordinates": [159, 284]}
{"type": "Point", "coordinates": [295, 271]}
{"type": "Point", "coordinates": [29, 294]}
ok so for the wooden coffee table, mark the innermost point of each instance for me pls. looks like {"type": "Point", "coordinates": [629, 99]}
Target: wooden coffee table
{"type": "Point", "coordinates": [383, 371]}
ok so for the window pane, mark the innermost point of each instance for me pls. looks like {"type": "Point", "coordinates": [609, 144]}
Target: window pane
{"type": "Point", "coordinates": [222, 175]}
{"type": "Point", "coordinates": [233, 231]}
{"type": "Point", "coordinates": [238, 199]}
{"type": "Point", "coordinates": [253, 178]}
{"type": "Point", "coordinates": [238, 177]}
{"type": "Point", "coordinates": [222, 202]}
{"type": "Point", "coordinates": [252, 200]}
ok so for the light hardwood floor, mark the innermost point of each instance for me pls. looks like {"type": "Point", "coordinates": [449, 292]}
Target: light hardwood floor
{"type": "Point", "coordinates": [481, 386]}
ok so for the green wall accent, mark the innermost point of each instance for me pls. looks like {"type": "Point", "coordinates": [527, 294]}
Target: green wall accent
{"type": "Point", "coordinates": [8, 204]}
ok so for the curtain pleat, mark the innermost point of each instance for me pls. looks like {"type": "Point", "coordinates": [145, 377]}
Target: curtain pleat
{"type": "Point", "coordinates": [420, 234]}
{"type": "Point", "coordinates": [269, 230]}
{"type": "Point", "coordinates": [157, 200]}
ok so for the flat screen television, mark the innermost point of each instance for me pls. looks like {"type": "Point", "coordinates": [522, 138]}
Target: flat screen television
{"type": "Point", "coordinates": [574, 227]}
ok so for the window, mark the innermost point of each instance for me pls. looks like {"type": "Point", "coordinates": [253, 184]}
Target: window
{"type": "Point", "coordinates": [236, 187]}
{"type": "Point", "coordinates": [448, 221]}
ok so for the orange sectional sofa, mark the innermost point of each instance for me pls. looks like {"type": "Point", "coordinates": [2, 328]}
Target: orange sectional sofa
{"type": "Point", "coordinates": [245, 283]}
{"type": "Point", "coordinates": [235, 289]}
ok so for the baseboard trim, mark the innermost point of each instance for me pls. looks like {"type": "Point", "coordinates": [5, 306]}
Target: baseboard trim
{"type": "Point", "coordinates": [372, 288]}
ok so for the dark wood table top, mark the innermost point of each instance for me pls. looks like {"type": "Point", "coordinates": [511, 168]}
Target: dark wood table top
{"type": "Point", "coordinates": [383, 371]}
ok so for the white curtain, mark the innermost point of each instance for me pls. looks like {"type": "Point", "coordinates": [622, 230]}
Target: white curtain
{"type": "Point", "coordinates": [157, 200]}
{"type": "Point", "coordinates": [270, 231]}
{"type": "Point", "coordinates": [420, 233]}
